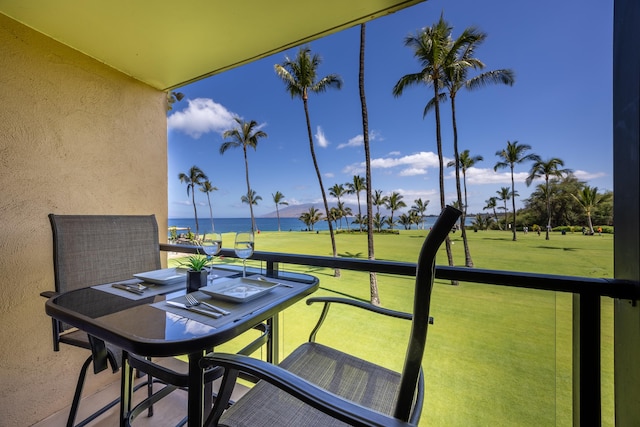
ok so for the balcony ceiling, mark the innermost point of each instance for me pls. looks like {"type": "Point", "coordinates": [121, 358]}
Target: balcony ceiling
{"type": "Point", "coordinates": [168, 43]}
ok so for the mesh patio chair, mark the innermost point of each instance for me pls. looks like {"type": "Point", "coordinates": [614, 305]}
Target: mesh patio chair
{"type": "Point", "coordinates": [320, 386]}
{"type": "Point", "coordinates": [90, 250]}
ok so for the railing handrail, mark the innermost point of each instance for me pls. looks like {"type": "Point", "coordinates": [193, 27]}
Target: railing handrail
{"type": "Point", "coordinates": [609, 287]}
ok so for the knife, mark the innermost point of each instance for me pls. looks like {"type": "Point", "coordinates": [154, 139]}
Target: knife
{"type": "Point", "coordinates": [194, 309]}
{"type": "Point", "coordinates": [125, 287]}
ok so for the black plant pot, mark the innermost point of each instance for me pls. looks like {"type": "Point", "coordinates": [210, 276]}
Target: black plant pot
{"type": "Point", "coordinates": [196, 280]}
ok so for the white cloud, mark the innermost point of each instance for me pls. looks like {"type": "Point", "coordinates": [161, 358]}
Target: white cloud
{"type": "Point", "coordinates": [413, 164]}
{"type": "Point", "coordinates": [413, 172]}
{"type": "Point", "coordinates": [322, 140]}
{"type": "Point", "coordinates": [202, 116]}
{"type": "Point", "coordinates": [329, 175]}
{"type": "Point", "coordinates": [586, 176]}
{"type": "Point", "coordinates": [358, 140]}
{"type": "Point", "coordinates": [476, 176]}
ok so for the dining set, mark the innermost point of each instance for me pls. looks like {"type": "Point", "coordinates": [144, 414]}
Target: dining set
{"type": "Point", "coordinates": [119, 303]}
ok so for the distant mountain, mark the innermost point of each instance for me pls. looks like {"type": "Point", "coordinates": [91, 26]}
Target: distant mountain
{"type": "Point", "coordinates": [294, 211]}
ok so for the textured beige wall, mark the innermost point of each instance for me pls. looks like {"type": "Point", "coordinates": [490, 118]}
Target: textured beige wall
{"type": "Point", "coordinates": [75, 137]}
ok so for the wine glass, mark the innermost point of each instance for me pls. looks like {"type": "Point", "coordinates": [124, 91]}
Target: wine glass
{"type": "Point", "coordinates": [211, 244]}
{"type": "Point", "coordinates": [244, 248]}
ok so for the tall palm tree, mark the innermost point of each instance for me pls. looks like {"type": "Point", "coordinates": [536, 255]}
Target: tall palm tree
{"type": "Point", "coordinates": [393, 204]}
{"type": "Point", "coordinates": [278, 199]}
{"type": "Point", "coordinates": [433, 48]}
{"type": "Point", "coordinates": [207, 188]}
{"type": "Point", "coordinates": [195, 178]}
{"type": "Point", "coordinates": [420, 208]}
{"type": "Point", "coordinates": [300, 77]}
{"type": "Point", "coordinates": [589, 198]}
{"type": "Point", "coordinates": [338, 191]}
{"type": "Point", "coordinates": [547, 168]}
{"type": "Point", "coordinates": [373, 277]}
{"type": "Point", "coordinates": [456, 78]}
{"type": "Point", "coordinates": [504, 194]}
{"type": "Point", "coordinates": [491, 203]}
{"type": "Point", "coordinates": [245, 135]}
{"type": "Point", "coordinates": [356, 187]}
{"type": "Point", "coordinates": [379, 199]}
{"type": "Point", "coordinates": [510, 156]}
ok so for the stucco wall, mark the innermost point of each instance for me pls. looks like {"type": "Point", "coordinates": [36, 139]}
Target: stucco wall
{"type": "Point", "coordinates": [75, 137]}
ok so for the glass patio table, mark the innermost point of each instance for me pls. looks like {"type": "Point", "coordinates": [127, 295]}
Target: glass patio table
{"type": "Point", "coordinates": [146, 325]}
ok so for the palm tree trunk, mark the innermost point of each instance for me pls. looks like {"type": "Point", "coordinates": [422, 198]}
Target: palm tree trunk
{"type": "Point", "coordinates": [246, 173]}
{"type": "Point", "coordinates": [467, 254]}
{"type": "Point", "coordinates": [373, 278]}
{"type": "Point", "coordinates": [495, 214]}
{"type": "Point", "coordinates": [210, 213]}
{"type": "Point", "coordinates": [441, 164]}
{"type": "Point", "coordinates": [278, 215]}
{"type": "Point", "coordinates": [513, 202]}
{"type": "Point", "coordinates": [324, 196]}
{"type": "Point", "coordinates": [195, 210]}
{"type": "Point", "coordinates": [548, 209]}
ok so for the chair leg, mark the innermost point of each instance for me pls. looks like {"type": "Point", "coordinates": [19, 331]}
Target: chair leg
{"type": "Point", "coordinates": [76, 397]}
{"type": "Point", "coordinates": [150, 393]}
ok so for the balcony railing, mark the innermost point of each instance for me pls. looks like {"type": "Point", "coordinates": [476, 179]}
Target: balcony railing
{"type": "Point", "coordinates": [586, 308]}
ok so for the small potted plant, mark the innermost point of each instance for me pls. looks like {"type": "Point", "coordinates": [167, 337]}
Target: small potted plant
{"type": "Point", "coordinates": [196, 273]}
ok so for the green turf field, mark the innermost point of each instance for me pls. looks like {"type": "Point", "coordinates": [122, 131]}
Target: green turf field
{"type": "Point", "coordinates": [495, 355]}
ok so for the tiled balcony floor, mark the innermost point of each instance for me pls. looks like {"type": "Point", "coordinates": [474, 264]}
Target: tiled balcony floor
{"type": "Point", "coordinates": [167, 412]}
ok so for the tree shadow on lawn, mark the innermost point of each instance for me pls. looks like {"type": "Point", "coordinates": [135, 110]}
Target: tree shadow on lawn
{"type": "Point", "coordinates": [350, 255]}
{"type": "Point", "coordinates": [551, 247]}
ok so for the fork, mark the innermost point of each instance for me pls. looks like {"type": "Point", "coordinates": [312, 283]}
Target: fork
{"type": "Point", "coordinates": [194, 301]}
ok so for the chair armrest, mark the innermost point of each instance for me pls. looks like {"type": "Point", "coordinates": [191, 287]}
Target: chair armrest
{"type": "Point", "coordinates": [355, 303]}
{"type": "Point", "coordinates": [309, 393]}
{"type": "Point", "coordinates": [362, 304]}
{"type": "Point", "coordinates": [49, 294]}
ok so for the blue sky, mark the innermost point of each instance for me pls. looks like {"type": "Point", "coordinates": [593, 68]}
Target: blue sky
{"type": "Point", "coordinates": [560, 104]}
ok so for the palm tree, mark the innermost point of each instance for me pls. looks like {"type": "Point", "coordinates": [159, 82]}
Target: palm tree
{"type": "Point", "coordinates": [433, 48]}
{"type": "Point", "coordinates": [514, 154]}
{"type": "Point", "coordinates": [344, 212]}
{"type": "Point", "coordinates": [589, 198]}
{"type": "Point", "coordinates": [393, 204]}
{"type": "Point", "coordinates": [420, 207]}
{"type": "Point", "coordinates": [465, 161]}
{"type": "Point", "coordinates": [207, 188]}
{"type": "Point", "coordinates": [195, 178]}
{"type": "Point", "coordinates": [491, 203]}
{"type": "Point", "coordinates": [278, 199]}
{"type": "Point", "coordinates": [373, 278]}
{"type": "Point", "coordinates": [355, 187]}
{"type": "Point", "coordinates": [310, 217]}
{"type": "Point", "coordinates": [246, 135]}
{"type": "Point", "coordinates": [456, 73]}
{"type": "Point", "coordinates": [378, 200]}
{"type": "Point", "coordinates": [378, 222]}
{"type": "Point", "coordinates": [406, 220]}
{"type": "Point", "coordinates": [338, 191]}
{"type": "Point", "coordinates": [504, 194]}
{"type": "Point", "coordinates": [547, 169]}
{"type": "Point", "coordinates": [251, 198]}
{"type": "Point", "coordinates": [300, 78]}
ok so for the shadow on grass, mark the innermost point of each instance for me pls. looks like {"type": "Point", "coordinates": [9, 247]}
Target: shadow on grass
{"type": "Point", "coordinates": [551, 247]}
{"type": "Point", "coordinates": [350, 255]}
{"type": "Point", "coordinates": [344, 294]}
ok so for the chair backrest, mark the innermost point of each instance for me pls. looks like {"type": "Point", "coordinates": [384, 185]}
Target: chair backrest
{"type": "Point", "coordinates": [421, 303]}
{"type": "Point", "coordinates": [93, 249]}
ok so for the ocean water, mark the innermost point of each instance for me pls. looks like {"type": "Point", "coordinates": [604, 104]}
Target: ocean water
{"type": "Point", "coordinates": [227, 225]}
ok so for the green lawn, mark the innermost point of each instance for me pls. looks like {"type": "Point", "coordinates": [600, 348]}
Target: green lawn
{"type": "Point", "coordinates": [495, 355]}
